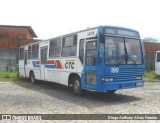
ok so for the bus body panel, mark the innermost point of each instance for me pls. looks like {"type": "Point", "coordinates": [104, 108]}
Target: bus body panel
{"type": "Point", "coordinates": [58, 70]}
{"type": "Point", "coordinates": [21, 68]}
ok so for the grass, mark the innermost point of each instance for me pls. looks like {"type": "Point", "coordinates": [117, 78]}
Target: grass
{"type": "Point", "coordinates": [150, 76]}
{"type": "Point", "coordinates": [10, 75]}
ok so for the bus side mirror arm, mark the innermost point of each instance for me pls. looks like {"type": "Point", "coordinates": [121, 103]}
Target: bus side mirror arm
{"type": "Point", "coordinates": [102, 38]}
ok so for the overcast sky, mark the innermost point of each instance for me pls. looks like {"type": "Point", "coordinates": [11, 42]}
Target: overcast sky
{"type": "Point", "coordinates": [50, 18]}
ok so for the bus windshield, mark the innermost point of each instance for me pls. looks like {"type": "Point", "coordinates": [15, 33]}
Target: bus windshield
{"type": "Point", "coordinates": [122, 51]}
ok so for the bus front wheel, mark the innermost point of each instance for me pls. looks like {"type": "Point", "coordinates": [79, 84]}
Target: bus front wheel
{"type": "Point", "coordinates": [77, 87]}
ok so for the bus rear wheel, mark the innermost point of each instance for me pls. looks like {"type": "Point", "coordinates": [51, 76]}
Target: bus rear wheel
{"type": "Point", "coordinates": [32, 78]}
{"type": "Point", "coordinates": [77, 87]}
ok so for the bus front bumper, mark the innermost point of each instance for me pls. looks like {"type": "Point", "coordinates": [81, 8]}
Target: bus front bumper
{"type": "Point", "coordinates": [107, 86]}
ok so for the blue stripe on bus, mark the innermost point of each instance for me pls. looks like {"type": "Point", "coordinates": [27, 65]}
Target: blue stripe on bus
{"type": "Point", "coordinates": [34, 64]}
{"type": "Point", "coordinates": [50, 66]}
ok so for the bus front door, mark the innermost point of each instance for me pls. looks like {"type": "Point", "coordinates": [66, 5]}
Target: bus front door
{"type": "Point", "coordinates": [25, 62]}
{"type": "Point", "coordinates": [90, 64]}
{"type": "Point", "coordinates": [43, 62]}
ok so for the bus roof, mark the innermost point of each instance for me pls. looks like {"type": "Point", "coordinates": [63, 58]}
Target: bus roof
{"type": "Point", "coordinates": [116, 27]}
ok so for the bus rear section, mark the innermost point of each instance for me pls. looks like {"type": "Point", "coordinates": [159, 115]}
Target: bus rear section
{"type": "Point", "coordinates": [157, 63]}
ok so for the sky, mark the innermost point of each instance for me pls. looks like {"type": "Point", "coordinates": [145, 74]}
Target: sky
{"type": "Point", "coordinates": [51, 18]}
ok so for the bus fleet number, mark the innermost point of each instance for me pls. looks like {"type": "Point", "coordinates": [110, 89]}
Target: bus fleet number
{"type": "Point", "coordinates": [69, 65]}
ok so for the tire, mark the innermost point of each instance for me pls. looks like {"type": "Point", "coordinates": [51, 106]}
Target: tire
{"type": "Point", "coordinates": [77, 87]}
{"type": "Point", "coordinates": [32, 78]}
{"type": "Point", "coordinates": [111, 92]}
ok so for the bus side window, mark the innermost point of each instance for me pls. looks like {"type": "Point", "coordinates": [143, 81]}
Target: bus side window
{"type": "Point", "coordinates": [55, 47]}
{"type": "Point", "coordinates": [69, 46]}
{"type": "Point", "coordinates": [35, 51]}
{"type": "Point", "coordinates": [158, 57]}
{"type": "Point", "coordinates": [81, 50]}
{"type": "Point", "coordinates": [21, 54]}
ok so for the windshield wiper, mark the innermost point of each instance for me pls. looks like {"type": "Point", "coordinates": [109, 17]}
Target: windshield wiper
{"type": "Point", "coordinates": [122, 59]}
{"type": "Point", "coordinates": [118, 63]}
{"type": "Point", "coordinates": [126, 55]}
{"type": "Point", "coordinates": [127, 60]}
{"type": "Point", "coordinates": [132, 59]}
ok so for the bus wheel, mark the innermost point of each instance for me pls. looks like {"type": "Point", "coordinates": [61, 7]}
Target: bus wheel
{"type": "Point", "coordinates": [77, 86]}
{"type": "Point", "coordinates": [32, 78]}
{"type": "Point", "coordinates": [111, 92]}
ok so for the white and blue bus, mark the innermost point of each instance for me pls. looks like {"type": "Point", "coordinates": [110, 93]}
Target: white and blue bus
{"type": "Point", "coordinates": [101, 59]}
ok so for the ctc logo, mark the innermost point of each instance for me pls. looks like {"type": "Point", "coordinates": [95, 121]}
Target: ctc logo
{"type": "Point", "coordinates": [69, 65]}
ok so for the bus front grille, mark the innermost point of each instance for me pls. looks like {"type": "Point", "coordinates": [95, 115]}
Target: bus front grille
{"type": "Point", "coordinates": [125, 74]}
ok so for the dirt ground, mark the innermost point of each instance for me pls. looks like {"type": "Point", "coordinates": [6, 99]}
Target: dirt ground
{"type": "Point", "coordinates": [51, 98]}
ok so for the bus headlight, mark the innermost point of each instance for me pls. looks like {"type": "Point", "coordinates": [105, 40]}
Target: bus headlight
{"type": "Point", "coordinates": [111, 79]}
{"type": "Point", "coordinates": [140, 77]}
{"type": "Point", "coordinates": [103, 79]}
{"type": "Point", "coordinates": [91, 77]}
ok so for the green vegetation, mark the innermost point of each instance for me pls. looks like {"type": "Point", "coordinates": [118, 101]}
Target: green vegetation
{"type": "Point", "coordinates": [150, 76]}
{"type": "Point", "coordinates": [10, 75]}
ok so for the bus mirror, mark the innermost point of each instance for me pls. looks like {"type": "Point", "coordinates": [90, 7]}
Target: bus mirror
{"type": "Point", "coordinates": [102, 38]}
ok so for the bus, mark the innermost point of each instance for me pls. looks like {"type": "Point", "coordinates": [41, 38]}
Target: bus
{"type": "Point", "coordinates": [157, 63]}
{"type": "Point", "coordinates": [101, 59]}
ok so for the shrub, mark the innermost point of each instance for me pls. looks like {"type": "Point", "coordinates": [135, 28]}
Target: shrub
{"type": "Point", "coordinates": [150, 75]}
{"type": "Point", "coordinates": [12, 75]}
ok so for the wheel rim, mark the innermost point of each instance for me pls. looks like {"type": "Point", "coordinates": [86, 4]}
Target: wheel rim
{"type": "Point", "coordinates": [32, 78]}
{"type": "Point", "coordinates": [76, 85]}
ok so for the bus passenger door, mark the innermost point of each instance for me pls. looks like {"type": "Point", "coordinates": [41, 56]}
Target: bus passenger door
{"type": "Point", "coordinates": [90, 65]}
{"type": "Point", "coordinates": [43, 62]}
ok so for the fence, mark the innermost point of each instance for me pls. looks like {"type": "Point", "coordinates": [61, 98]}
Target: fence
{"type": "Point", "coordinates": [8, 58]}
{"type": "Point", "coordinates": [150, 61]}
{"type": "Point", "coordinates": [150, 51]}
